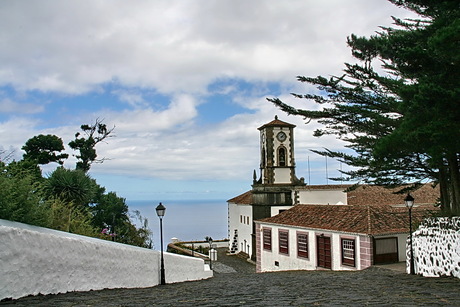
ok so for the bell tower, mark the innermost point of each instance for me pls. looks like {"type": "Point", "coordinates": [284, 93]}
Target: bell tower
{"type": "Point", "coordinates": [277, 164]}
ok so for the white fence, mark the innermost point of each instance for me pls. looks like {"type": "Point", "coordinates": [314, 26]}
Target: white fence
{"type": "Point", "coordinates": [436, 246]}
{"type": "Point", "coordinates": [37, 260]}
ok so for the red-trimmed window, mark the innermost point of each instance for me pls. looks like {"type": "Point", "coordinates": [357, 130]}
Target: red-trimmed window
{"type": "Point", "coordinates": [267, 239]}
{"type": "Point", "coordinates": [302, 245]}
{"type": "Point", "coordinates": [348, 252]}
{"type": "Point", "coordinates": [283, 241]}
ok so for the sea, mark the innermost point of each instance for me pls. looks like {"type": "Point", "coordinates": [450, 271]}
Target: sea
{"type": "Point", "coordinates": [186, 220]}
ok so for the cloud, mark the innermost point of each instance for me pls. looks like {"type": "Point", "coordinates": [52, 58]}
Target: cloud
{"type": "Point", "coordinates": [75, 46]}
{"type": "Point", "coordinates": [9, 106]}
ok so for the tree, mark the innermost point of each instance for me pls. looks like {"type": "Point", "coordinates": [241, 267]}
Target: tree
{"type": "Point", "coordinates": [110, 211]}
{"type": "Point", "coordinates": [95, 134]}
{"type": "Point", "coordinates": [402, 124]}
{"type": "Point", "coordinates": [71, 218]}
{"type": "Point", "coordinates": [72, 186]}
{"type": "Point", "coordinates": [20, 197]}
{"type": "Point", "coordinates": [44, 149]}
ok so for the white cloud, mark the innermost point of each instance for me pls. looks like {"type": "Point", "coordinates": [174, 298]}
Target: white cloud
{"type": "Point", "coordinates": [75, 46]}
{"type": "Point", "coordinates": [9, 106]}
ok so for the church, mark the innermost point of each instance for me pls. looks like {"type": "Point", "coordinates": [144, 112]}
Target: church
{"type": "Point", "coordinates": [282, 219]}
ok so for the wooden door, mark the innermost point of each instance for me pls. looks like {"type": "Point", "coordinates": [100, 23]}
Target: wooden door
{"type": "Point", "coordinates": [386, 250]}
{"type": "Point", "coordinates": [324, 252]}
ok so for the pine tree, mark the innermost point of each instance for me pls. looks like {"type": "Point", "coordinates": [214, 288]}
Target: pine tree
{"type": "Point", "coordinates": [403, 124]}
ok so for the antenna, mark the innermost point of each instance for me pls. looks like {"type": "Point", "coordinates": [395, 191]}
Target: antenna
{"type": "Point", "coordinates": [341, 174]}
{"type": "Point", "coordinates": [327, 175]}
{"type": "Point", "coordinates": [308, 163]}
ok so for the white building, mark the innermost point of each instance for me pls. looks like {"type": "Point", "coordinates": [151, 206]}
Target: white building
{"type": "Point", "coordinates": [308, 237]}
{"type": "Point", "coordinates": [278, 189]}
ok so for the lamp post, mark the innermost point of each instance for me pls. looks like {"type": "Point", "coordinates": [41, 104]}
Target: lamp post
{"type": "Point", "coordinates": [161, 212]}
{"type": "Point", "coordinates": [409, 200]}
{"type": "Point", "coordinates": [209, 239]}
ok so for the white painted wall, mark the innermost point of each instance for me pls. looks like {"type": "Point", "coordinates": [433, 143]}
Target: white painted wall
{"type": "Point", "coordinates": [277, 144]}
{"type": "Point", "coordinates": [402, 246]}
{"type": "Point", "coordinates": [292, 261]}
{"type": "Point", "coordinates": [322, 197]}
{"type": "Point", "coordinates": [38, 260]}
{"type": "Point", "coordinates": [282, 175]}
{"type": "Point", "coordinates": [276, 209]}
{"type": "Point", "coordinates": [240, 217]}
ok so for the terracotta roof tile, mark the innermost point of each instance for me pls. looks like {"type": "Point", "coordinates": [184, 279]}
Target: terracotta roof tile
{"type": "Point", "coordinates": [276, 123]}
{"type": "Point", "coordinates": [371, 220]}
{"type": "Point", "coordinates": [377, 195]}
{"type": "Point", "coordinates": [243, 199]}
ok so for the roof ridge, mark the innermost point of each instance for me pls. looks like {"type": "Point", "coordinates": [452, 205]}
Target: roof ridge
{"type": "Point", "coordinates": [369, 224]}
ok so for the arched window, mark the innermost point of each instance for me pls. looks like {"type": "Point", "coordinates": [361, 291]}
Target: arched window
{"type": "Point", "coordinates": [281, 156]}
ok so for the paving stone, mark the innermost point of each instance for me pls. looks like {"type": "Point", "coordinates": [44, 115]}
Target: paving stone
{"type": "Point", "coordinates": [235, 283]}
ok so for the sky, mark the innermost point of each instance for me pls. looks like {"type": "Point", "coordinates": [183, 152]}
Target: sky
{"type": "Point", "coordinates": [183, 82]}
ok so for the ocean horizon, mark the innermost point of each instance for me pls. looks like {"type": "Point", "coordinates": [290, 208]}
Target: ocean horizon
{"type": "Point", "coordinates": [186, 220]}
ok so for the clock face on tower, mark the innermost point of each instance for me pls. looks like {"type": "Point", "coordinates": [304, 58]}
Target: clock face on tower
{"type": "Point", "coordinates": [281, 136]}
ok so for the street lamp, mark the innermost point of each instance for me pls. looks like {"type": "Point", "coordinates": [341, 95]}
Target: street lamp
{"type": "Point", "coordinates": [161, 212]}
{"type": "Point", "coordinates": [409, 200]}
{"type": "Point", "coordinates": [209, 239]}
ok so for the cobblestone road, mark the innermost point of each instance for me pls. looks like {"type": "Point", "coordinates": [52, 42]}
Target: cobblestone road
{"type": "Point", "coordinates": [236, 284]}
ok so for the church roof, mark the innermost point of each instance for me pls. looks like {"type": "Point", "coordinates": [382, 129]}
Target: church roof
{"type": "Point", "coordinates": [276, 123]}
{"type": "Point", "coordinates": [243, 199]}
{"type": "Point", "coordinates": [370, 220]}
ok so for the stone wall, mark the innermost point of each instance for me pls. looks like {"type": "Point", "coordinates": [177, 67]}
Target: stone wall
{"type": "Point", "coordinates": [436, 247]}
{"type": "Point", "coordinates": [37, 260]}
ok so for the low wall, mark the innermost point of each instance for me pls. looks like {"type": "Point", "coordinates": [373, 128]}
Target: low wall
{"type": "Point", "coordinates": [436, 247]}
{"type": "Point", "coordinates": [189, 245]}
{"type": "Point", "coordinates": [37, 260]}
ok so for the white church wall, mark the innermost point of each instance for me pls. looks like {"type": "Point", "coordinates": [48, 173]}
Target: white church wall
{"type": "Point", "coordinates": [282, 175]}
{"type": "Point", "coordinates": [436, 247]}
{"type": "Point", "coordinates": [277, 143]}
{"type": "Point", "coordinates": [240, 218]}
{"type": "Point", "coordinates": [275, 210]}
{"type": "Point", "coordinates": [232, 222]}
{"type": "Point", "coordinates": [37, 260]}
{"type": "Point", "coordinates": [322, 197]}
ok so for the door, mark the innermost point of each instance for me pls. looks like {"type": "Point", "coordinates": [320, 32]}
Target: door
{"type": "Point", "coordinates": [324, 251]}
{"type": "Point", "coordinates": [386, 250]}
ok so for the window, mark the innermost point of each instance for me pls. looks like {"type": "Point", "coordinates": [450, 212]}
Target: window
{"type": "Point", "coordinates": [282, 156]}
{"type": "Point", "coordinates": [302, 245]}
{"type": "Point", "coordinates": [284, 242]}
{"type": "Point", "coordinates": [348, 252]}
{"type": "Point", "coordinates": [267, 239]}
